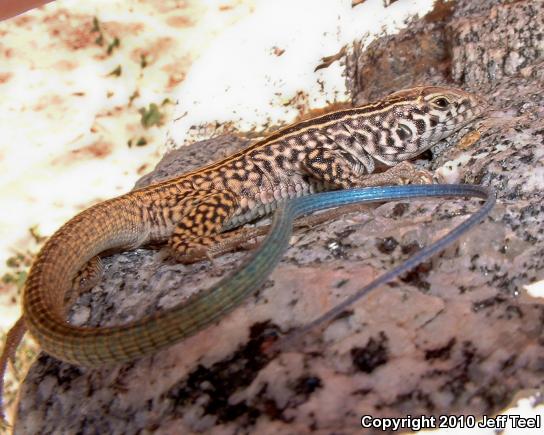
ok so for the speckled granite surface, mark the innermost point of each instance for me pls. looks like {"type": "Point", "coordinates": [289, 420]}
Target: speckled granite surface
{"type": "Point", "coordinates": [457, 335]}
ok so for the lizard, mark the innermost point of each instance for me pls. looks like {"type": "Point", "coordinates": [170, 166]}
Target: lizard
{"type": "Point", "coordinates": [361, 146]}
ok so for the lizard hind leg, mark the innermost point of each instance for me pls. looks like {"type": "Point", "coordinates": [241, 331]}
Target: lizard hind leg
{"type": "Point", "coordinates": [199, 231]}
{"type": "Point", "coordinates": [87, 278]}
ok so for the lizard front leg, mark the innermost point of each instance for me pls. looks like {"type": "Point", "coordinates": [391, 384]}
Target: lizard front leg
{"type": "Point", "coordinates": [336, 168]}
{"type": "Point", "coordinates": [198, 234]}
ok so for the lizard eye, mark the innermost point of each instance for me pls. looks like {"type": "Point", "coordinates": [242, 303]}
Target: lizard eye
{"type": "Point", "coordinates": [404, 132]}
{"type": "Point", "coordinates": [440, 102]}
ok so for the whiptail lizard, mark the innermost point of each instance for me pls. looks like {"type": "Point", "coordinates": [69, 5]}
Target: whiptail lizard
{"type": "Point", "coordinates": [192, 212]}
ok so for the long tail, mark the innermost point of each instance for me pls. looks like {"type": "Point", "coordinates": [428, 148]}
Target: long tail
{"type": "Point", "coordinates": [86, 235]}
{"type": "Point", "coordinates": [117, 223]}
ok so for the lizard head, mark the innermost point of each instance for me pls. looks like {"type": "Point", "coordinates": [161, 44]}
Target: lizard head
{"type": "Point", "coordinates": [420, 117]}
